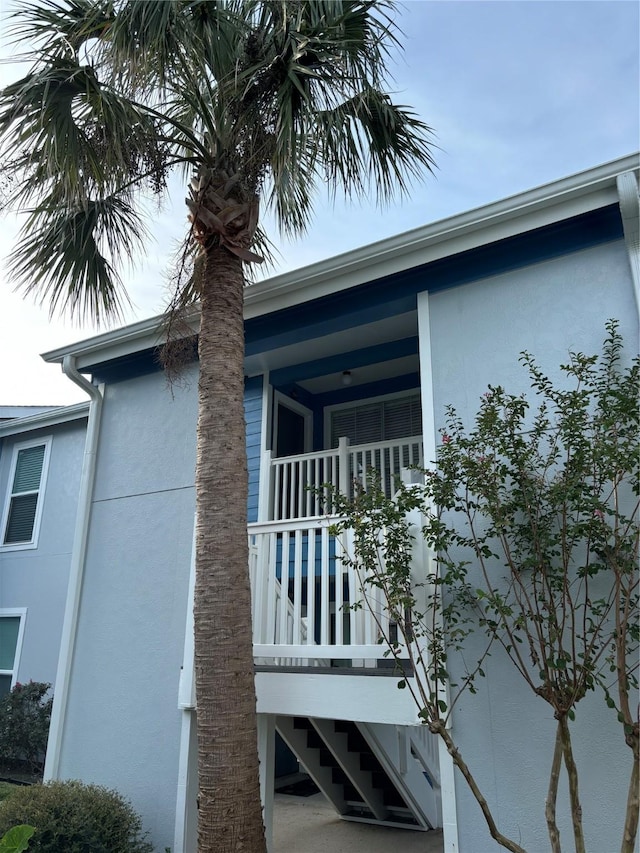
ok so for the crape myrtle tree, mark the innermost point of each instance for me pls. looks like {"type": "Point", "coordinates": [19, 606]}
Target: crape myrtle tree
{"type": "Point", "coordinates": [531, 515]}
{"type": "Point", "coordinates": [251, 102]}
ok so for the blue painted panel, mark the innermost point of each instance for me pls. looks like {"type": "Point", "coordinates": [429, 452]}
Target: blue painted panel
{"type": "Point", "coordinates": [408, 382]}
{"type": "Point", "coordinates": [396, 294]}
{"type": "Point", "coordinates": [253, 417]}
{"type": "Point", "coordinates": [344, 361]}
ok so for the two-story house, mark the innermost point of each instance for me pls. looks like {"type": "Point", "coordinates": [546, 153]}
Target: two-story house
{"type": "Point", "coordinates": [349, 364]}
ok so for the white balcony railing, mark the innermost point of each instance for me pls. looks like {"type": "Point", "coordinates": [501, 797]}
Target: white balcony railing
{"type": "Point", "coordinates": [300, 486]}
{"type": "Point", "coordinates": [303, 595]}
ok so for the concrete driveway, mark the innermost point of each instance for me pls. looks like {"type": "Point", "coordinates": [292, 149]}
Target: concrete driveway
{"type": "Point", "coordinates": [310, 825]}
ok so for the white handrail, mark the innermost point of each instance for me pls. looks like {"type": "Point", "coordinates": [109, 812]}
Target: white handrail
{"type": "Point", "coordinates": [301, 485]}
{"type": "Point", "coordinates": [300, 562]}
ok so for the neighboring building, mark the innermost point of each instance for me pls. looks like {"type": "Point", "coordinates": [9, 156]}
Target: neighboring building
{"type": "Point", "coordinates": [11, 412]}
{"type": "Point", "coordinates": [369, 347]}
{"type": "Point", "coordinates": [41, 453]}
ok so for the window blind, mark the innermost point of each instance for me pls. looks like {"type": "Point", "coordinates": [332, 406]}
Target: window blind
{"type": "Point", "coordinates": [28, 469]}
{"type": "Point", "coordinates": [23, 501]}
{"type": "Point", "coordinates": [382, 421]}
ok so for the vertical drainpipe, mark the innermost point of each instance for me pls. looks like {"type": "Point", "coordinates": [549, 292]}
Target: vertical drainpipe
{"type": "Point", "coordinates": [627, 186]}
{"type": "Point", "coordinates": [76, 571]}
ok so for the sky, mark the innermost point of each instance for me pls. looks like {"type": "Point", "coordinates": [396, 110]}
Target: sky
{"type": "Point", "coordinates": [518, 93]}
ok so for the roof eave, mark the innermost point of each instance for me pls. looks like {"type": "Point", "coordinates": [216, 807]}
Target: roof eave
{"type": "Point", "coordinates": [535, 208]}
{"type": "Point", "coordinates": [60, 415]}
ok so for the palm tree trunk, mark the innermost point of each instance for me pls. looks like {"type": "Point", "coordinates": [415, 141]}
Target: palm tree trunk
{"type": "Point", "coordinates": [230, 812]}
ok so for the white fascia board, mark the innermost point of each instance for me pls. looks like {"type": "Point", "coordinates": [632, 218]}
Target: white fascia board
{"type": "Point", "coordinates": [59, 415]}
{"type": "Point", "coordinates": [535, 208]}
{"type": "Point", "coordinates": [381, 259]}
{"type": "Point", "coordinates": [119, 342]}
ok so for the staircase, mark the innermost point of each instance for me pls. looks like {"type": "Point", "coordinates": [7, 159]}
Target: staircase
{"type": "Point", "coordinates": [370, 772]}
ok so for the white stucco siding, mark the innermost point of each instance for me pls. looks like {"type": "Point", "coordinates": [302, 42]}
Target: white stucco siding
{"type": "Point", "coordinates": [122, 727]}
{"type": "Point", "coordinates": [505, 733]}
{"type": "Point", "coordinates": [36, 578]}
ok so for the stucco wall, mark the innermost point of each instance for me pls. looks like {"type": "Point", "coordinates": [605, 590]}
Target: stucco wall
{"type": "Point", "coordinates": [122, 727]}
{"type": "Point", "coordinates": [505, 733]}
{"type": "Point", "coordinates": [36, 579]}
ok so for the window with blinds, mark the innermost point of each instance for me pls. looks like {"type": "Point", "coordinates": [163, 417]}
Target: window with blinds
{"type": "Point", "coordinates": [23, 500]}
{"type": "Point", "coordinates": [384, 420]}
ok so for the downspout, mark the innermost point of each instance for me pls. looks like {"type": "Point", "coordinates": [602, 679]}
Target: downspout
{"type": "Point", "coordinates": [76, 571]}
{"type": "Point", "coordinates": [627, 186]}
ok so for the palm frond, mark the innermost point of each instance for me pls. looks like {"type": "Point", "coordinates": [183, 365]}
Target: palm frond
{"type": "Point", "coordinates": [283, 97]}
{"type": "Point", "coordinates": [368, 142]}
{"type": "Point", "coordinates": [150, 43]}
{"type": "Point", "coordinates": [57, 28]}
{"type": "Point", "coordinates": [60, 125]}
{"type": "Point", "coordinates": [66, 256]}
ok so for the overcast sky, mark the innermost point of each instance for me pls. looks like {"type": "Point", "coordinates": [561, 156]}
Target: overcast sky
{"type": "Point", "coordinates": [519, 93]}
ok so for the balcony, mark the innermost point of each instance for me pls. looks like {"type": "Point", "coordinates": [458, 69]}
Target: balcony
{"type": "Point", "coordinates": [303, 591]}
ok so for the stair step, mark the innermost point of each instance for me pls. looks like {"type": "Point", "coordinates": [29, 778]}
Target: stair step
{"type": "Point", "coordinates": [394, 821]}
{"type": "Point", "coordinates": [352, 796]}
{"type": "Point", "coordinates": [347, 769]}
{"type": "Point", "coordinates": [302, 723]}
{"type": "Point", "coordinates": [314, 741]}
{"type": "Point", "coordinates": [368, 761]}
{"type": "Point", "coordinates": [325, 758]}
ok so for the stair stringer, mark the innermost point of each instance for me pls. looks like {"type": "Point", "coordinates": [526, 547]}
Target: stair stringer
{"type": "Point", "coordinates": [337, 744]}
{"type": "Point", "coordinates": [296, 740]}
{"type": "Point", "coordinates": [404, 760]}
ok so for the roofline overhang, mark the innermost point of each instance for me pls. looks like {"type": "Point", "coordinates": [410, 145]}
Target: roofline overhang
{"type": "Point", "coordinates": [535, 208]}
{"type": "Point", "coordinates": [60, 415]}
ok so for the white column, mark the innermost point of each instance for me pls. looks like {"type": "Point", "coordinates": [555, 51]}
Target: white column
{"type": "Point", "coordinates": [267, 756]}
{"type": "Point", "coordinates": [448, 791]}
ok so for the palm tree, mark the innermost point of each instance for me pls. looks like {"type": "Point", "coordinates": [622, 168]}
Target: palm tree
{"type": "Point", "coordinates": [254, 101]}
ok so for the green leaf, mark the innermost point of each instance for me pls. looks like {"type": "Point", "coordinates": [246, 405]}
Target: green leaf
{"type": "Point", "coordinates": [401, 684]}
{"type": "Point", "coordinates": [17, 839]}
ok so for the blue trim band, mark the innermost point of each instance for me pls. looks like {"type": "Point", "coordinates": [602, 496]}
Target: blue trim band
{"type": "Point", "coordinates": [397, 294]}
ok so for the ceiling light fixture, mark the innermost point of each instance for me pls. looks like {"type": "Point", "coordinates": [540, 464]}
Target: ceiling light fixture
{"type": "Point", "coordinates": [346, 377]}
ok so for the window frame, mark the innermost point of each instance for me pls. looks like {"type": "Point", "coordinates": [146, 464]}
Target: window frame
{"type": "Point", "coordinates": [280, 399]}
{"type": "Point", "coordinates": [35, 533]}
{"type": "Point", "coordinates": [9, 613]}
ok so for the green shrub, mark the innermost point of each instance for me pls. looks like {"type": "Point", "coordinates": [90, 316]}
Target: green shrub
{"type": "Point", "coordinates": [25, 714]}
{"type": "Point", "coordinates": [6, 789]}
{"type": "Point", "coordinates": [71, 817]}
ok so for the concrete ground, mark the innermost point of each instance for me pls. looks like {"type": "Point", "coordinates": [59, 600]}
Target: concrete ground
{"type": "Point", "coordinates": [311, 825]}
